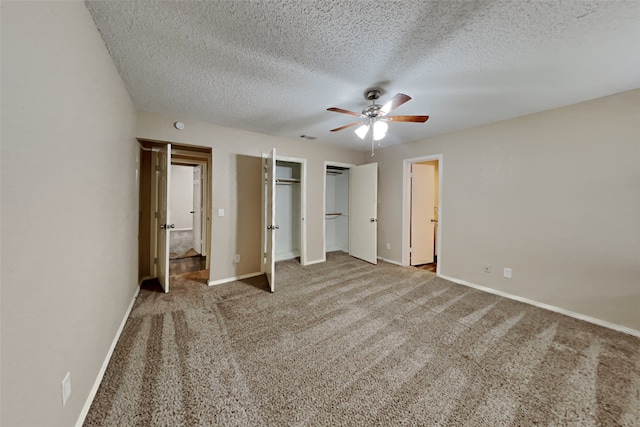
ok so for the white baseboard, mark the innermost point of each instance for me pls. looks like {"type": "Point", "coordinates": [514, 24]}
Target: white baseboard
{"type": "Point", "coordinates": [103, 368]}
{"type": "Point", "coordinates": [317, 261]}
{"type": "Point", "coordinates": [232, 279]}
{"type": "Point", "coordinates": [390, 261]}
{"type": "Point", "coordinates": [579, 316]}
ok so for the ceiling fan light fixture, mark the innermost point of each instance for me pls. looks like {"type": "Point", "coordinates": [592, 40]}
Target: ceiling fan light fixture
{"type": "Point", "coordinates": [379, 130]}
{"type": "Point", "coordinates": [362, 131]}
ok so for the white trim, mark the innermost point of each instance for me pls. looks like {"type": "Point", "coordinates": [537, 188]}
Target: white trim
{"type": "Point", "coordinates": [390, 261]}
{"type": "Point", "coordinates": [181, 229]}
{"type": "Point", "coordinates": [317, 261]}
{"type": "Point", "coordinates": [103, 368]}
{"type": "Point", "coordinates": [406, 169]}
{"type": "Point", "coordinates": [233, 279]}
{"type": "Point", "coordinates": [542, 305]}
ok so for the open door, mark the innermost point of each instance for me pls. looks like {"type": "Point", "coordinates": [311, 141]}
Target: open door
{"type": "Point", "coordinates": [270, 213]}
{"type": "Point", "coordinates": [197, 210]}
{"type": "Point", "coordinates": [422, 214]}
{"type": "Point", "coordinates": [161, 182]}
{"type": "Point", "coordinates": [363, 212]}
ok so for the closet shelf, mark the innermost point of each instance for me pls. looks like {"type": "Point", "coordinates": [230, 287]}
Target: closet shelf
{"type": "Point", "coordinates": [333, 214]}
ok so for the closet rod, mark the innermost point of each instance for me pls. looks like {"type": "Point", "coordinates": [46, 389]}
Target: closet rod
{"type": "Point", "coordinates": [287, 180]}
{"type": "Point", "coordinates": [334, 214]}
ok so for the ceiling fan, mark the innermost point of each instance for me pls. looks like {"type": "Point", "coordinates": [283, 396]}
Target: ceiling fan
{"type": "Point", "coordinates": [374, 116]}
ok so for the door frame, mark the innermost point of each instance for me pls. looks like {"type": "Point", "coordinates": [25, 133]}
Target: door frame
{"type": "Point", "coordinates": [406, 208]}
{"type": "Point", "coordinates": [192, 154]}
{"type": "Point", "coordinates": [303, 206]}
{"type": "Point", "coordinates": [324, 203]}
{"type": "Point", "coordinates": [180, 159]}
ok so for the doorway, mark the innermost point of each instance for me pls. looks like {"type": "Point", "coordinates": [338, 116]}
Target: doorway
{"type": "Point", "coordinates": [174, 212]}
{"type": "Point", "coordinates": [422, 212]}
{"type": "Point", "coordinates": [289, 218]}
{"type": "Point", "coordinates": [351, 210]}
{"type": "Point", "coordinates": [336, 207]}
{"type": "Point", "coordinates": [284, 199]}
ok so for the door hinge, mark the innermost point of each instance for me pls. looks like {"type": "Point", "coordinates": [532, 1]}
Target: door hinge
{"type": "Point", "coordinates": [410, 250]}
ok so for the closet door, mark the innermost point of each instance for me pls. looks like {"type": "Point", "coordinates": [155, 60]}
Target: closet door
{"type": "Point", "coordinates": [363, 212]}
{"type": "Point", "coordinates": [270, 214]}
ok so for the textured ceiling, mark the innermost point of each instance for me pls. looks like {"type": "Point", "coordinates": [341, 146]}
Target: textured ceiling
{"type": "Point", "coordinates": [275, 66]}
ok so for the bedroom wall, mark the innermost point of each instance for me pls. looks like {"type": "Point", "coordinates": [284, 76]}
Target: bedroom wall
{"type": "Point", "coordinates": [69, 209]}
{"type": "Point", "coordinates": [555, 196]}
{"type": "Point", "coordinates": [237, 185]}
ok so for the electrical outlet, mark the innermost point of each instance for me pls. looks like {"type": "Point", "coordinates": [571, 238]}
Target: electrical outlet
{"type": "Point", "coordinates": [66, 388]}
{"type": "Point", "coordinates": [236, 259]}
{"type": "Point", "coordinates": [507, 273]}
{"type": "Point", "coordinates": [221, 212]}
{"type": "Point", "coordinates": [388, 245]}
{"type": "Point", "coordinates": [487, 268]}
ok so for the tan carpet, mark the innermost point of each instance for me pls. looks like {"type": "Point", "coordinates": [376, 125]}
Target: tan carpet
{"type": "Point", "coordinates": [348, 343]}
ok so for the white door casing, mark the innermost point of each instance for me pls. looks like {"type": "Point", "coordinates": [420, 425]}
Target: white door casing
{"type": "Point", "coordinates": [197, 209]}
{"type": "Point", "coordinates": [422, 214]}
{"type": "Point", "coordinates": [363, 212]}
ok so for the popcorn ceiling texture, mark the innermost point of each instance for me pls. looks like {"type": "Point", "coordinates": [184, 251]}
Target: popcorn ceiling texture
{"type": "Point", "coordinates": [274, 66]}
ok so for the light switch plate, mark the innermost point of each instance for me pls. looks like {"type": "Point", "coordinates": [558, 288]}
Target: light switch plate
{"type": "Point", "coordinates": [221, 212]}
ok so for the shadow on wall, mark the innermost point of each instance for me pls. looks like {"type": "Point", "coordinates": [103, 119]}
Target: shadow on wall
{"type": "Point", "coordinates": [249, 214]}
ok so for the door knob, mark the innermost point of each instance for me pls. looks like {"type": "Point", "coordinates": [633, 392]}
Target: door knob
{"type": "Point", "coordinates": [172, 226]}
{"type": "Point", "coordinates": [434, 220]}
{"type": "Point", "coordinates": [163, 226]}
{"type": "Point", "coordinates": [277, 227]}
{"type": "Point", "coordinates": [373, 220]}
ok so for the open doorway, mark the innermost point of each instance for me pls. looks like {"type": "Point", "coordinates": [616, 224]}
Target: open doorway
{"type": "Point", "coordinates": [422, 212]}
{"type": "Point", "coordinates": [174, 219]}
{"type": "Point", "coordinates": [336, 207]}
{"type": "Point", "coordinates": [186, 253]}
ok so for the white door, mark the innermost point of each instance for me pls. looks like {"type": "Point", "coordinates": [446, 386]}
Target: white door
{"type": "Point", "coordinates": [197, 209]}
{"type": "Point", "coordinates": [270, 214]}
{"type": "Point", "coordinates": [162, 184]}
{"type": "Point", "coordinates": [363, 212]}
{"type": "Point", "coordinates": [423, 193]}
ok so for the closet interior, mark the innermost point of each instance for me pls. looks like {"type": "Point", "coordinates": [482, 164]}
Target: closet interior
{"type": "Point", "coordinates": [336, 215]}
{"type": "Point", "coordinates": [288, 210]}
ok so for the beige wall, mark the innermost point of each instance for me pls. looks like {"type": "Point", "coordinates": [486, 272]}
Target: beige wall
{"type": "Point", "coordinates": [236, 185]}
{"type": "Point", "coordinates": [553, 195]}
{"type": "Point", "coordinates": [69, 209]}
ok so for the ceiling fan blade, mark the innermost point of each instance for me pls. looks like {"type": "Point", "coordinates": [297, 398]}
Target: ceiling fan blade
{"type": "Point", "coordinates": [395, 102]}
{"type": "Point", "coordinates": [346, 126]}
{"type": "Point", "coordinates": [415, 119]}
{"type": "Point", "coordinates": [343, 111]}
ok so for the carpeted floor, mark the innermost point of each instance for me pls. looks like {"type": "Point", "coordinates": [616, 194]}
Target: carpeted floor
{"type": "Point", "coordinates": [348, 343]}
